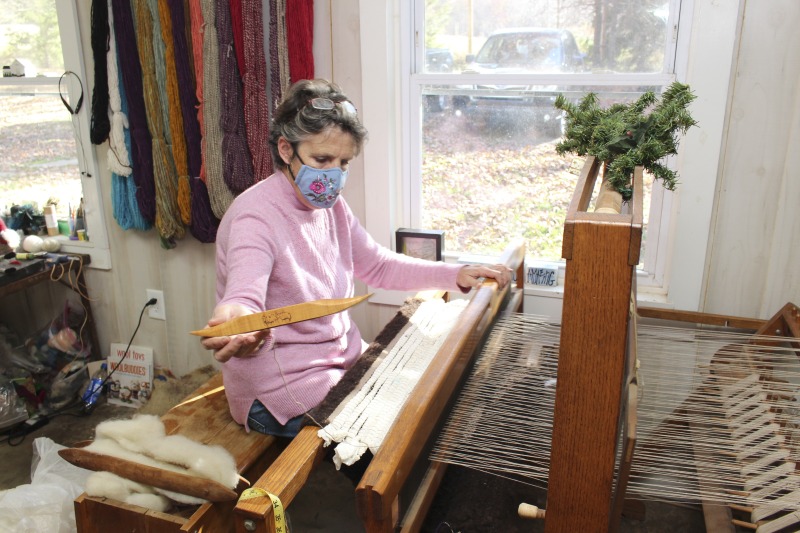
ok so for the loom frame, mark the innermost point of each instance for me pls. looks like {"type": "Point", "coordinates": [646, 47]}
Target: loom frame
{"type": "Point", "coordinates": [595, 363]}
{"type": "Point", "coordinates": [378, 493]}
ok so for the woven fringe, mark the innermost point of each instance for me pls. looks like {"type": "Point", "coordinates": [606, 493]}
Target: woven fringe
{"type": "Point", "coordinates": [237, 170]}
{"type": "Point", "coordinates": [167, 217]}
{"type": "Point", "coordinates": [300, 39]}
{"type": "Point", "coordinates": [100, 124]}
{"type": "Point", "coordinates": [219, 194]}
{"type": "Point", "coordinates": [141, 143]}
{"type": "Point", "coordinates": [197, 27]}
{"type": "Point", "coordinates": [254, 93]}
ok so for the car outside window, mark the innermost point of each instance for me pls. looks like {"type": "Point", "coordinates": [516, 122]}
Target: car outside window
{"type": "Point", "coordinates": [483, 132]}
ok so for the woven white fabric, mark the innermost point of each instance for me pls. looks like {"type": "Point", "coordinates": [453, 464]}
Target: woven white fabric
{"type": "Point", "coordinates": [366, 418]}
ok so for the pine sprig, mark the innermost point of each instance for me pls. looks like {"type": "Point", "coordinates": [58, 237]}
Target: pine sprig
{"type": "Point", "coordinates": [624, 136]}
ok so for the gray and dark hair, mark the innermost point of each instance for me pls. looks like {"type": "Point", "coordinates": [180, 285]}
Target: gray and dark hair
{"type": "Point", "coordinates": [296, 120]}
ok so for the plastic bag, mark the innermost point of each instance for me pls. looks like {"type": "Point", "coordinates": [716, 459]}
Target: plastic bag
{"type": "Point", "coordinates": [46, 504]}
{"type": "Point", "coordinates": [66, 386]}
{"type": "Point", "coordinates": [13, 354]}
{"type": "Point", "coordinates": [67, 333]}
{"type": "Point", "coordinates": [12, 407]}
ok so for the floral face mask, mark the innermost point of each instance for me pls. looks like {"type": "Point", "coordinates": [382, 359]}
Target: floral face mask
{"type": "Point", "coordinates": [321, 187]}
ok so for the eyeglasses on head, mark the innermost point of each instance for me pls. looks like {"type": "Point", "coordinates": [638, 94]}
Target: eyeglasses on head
{"type": "Point", "coordinates": [326, 104]}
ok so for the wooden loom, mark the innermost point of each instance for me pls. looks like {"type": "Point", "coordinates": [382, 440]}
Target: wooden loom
{"type": "Point", "coordinates": [595, 393]}
{"type": "Point", "coordinates": [204, 417]}
{"type": "Point", "coordinates": [380, 495]}
{"type": "Point", "coordinates": [595, 414]}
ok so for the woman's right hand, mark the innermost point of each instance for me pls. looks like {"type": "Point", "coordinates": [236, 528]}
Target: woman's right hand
{"type": "Point", "coordinates": [242, 345]}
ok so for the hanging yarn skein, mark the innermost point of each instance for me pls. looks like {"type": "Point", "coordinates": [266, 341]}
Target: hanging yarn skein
{"type": "Point", "coordinates": [174, 113]}
{"type": "Point", "coordinates": [276, 84]}
{"type": "Point", "coordinates": [254, 88]}
{"type": "Point", "coordinates": [219, 194]}
{"type": "Point", "coordinates": [300, 38]}
{"type": "Point", "coordinates": [118, 157]}
{"type": "Point", "coordinates": [203, 224]}
{"type": "Point", "coordinates": [123, 189]}
{"type": "Point", "coordinates": [197, 25]}
{"type": "Point", "coordinates": [238, 37]}
{"type": "Point", "coordinates": [282, 47]}
{"type": "Point", "coordinates": [167, 217]}
{"type": "Point", "coordinates": [100, 125]}
{"type": "Point", "coordinates": [237, 164]}
{"type": "Point", "coordinates": [141, 143]}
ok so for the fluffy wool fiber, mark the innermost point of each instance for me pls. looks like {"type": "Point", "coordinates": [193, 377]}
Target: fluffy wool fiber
{"type": "Point", "coordinates": [142, 439]}
{"type": "Point", "coordinates": [9, 237]}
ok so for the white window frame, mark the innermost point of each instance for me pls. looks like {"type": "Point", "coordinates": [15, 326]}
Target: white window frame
{"type": "Point", "coordinates": [710, 32]}
{"type": "Point", "coordinates": [71, 45]}
{"type": "Point", "coordinates": [651, 274]}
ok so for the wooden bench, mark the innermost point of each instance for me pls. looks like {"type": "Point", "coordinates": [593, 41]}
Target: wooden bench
{"type": "Point", "coordinates": [204, 417]}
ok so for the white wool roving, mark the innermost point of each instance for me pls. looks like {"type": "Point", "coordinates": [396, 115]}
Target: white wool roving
{"type": "Point", "coordinates": [143, 440]}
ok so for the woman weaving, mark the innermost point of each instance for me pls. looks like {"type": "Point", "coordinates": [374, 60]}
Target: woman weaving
{"type": "Point", "coordinates": [291, 238]}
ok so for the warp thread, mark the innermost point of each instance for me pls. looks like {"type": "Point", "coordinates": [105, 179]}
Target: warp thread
{"type": "Point", "coordinates": [237, 165]}
{"type": "Point", "coordinates": [100, 125]}
{"type": "Point", "coordinates": [141, 143]}
{"type": "Point", "coordinates": [219, 194]}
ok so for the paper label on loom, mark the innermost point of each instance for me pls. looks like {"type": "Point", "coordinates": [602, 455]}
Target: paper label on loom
{"type": "Point", "coordinates": [132, 382]}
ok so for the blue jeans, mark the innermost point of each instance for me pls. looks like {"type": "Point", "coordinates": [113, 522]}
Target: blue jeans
{"type": "Point", "coordinates": [260, 419]}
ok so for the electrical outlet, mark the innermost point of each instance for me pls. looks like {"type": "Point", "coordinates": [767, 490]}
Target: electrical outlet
{"type": "Point", "coordinates": [156, 311]}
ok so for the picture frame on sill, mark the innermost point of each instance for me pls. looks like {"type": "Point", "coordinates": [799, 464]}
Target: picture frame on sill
{"type": "Point", "coordinates": [420, 243]}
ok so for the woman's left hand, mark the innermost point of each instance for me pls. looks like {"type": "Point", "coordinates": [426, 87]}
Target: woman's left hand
{"type": "Point", "coordinates": [470, 275]}
{"type": "Point", "coordinates": [242, 345]}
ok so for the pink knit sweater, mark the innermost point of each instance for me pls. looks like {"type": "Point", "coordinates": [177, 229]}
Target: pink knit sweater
{"type": "Point", "coordinates": [272, 251]}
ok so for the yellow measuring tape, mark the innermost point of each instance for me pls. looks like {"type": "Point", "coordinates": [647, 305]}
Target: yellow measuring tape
{"type": "Point", "coordinates": [277, 506]}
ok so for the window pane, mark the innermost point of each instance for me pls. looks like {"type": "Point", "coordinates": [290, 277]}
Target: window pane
{"type": "Point", "coordinates": [490, 171]}
{"type": "Point", "coordinates": [29, 37]}
{"type": "Point", "coordinates": [38, 158]}
{"type": "Point", "coordinates": [534, 36]}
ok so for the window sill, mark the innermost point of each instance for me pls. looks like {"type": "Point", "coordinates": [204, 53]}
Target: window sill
{"type": "Point", "coordinates": [101, 257]}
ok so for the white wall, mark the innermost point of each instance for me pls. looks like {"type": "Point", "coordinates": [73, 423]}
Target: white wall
{"type": "Point", "coordinates": [752, 260]}
{"type": "Point", "coordinates": [747, 128]}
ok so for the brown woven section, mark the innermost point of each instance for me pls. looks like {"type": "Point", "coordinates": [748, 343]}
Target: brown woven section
{"type": "Point", "coordinates": [352, 377]}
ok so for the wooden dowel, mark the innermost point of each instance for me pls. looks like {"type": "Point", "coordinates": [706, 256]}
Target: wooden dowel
{"type": "Point", "coordinates": [526, 510]}
{"type": "Point", "coordinates": [744, 524]}
{"type": "Point", "coordinates": [198, 487]}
